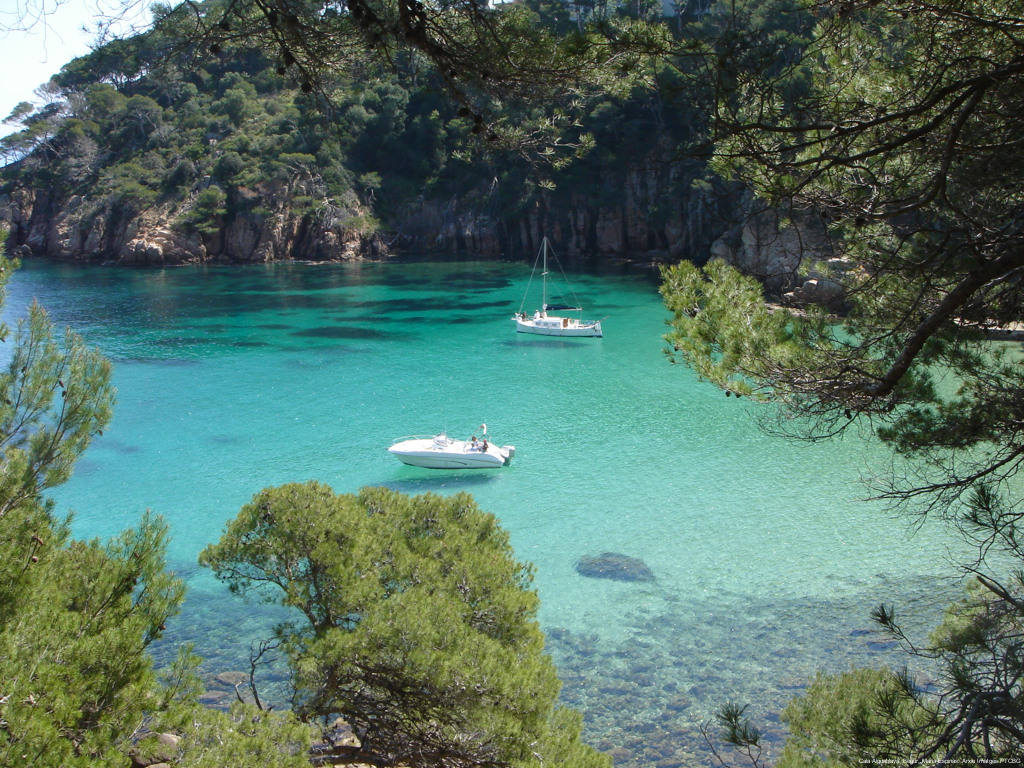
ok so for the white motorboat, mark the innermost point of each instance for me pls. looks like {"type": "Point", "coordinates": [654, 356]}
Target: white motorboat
{"type": "Point", "coordinates": [545, 324]}
{"type": "Point", "coordinates": [443, 452]}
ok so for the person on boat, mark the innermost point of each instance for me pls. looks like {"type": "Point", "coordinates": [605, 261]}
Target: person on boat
{"type": "Point", "coordinates": [474, 444]}
{"type": "Point", "coordinates": [483, 446]}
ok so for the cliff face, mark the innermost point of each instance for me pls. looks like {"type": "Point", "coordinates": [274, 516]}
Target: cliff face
{"type": "Point", "coordinates": [71, 229]}
{"type": "Point", "coordinates": [77, 229]}
{"type": "Point", "coordinates": [649, 220]}
{"type": "Point", "coordinates": [659, 217]}
{"type": "Point", "coordinates": [793, 257]}
{"type": "Point", "coordinates": [651, 213]}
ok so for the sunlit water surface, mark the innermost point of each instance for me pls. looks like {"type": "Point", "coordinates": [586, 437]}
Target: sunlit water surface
{"type": "Point", "coordinates": [767, 560]}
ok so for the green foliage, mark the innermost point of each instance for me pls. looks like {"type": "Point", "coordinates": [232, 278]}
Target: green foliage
{"type": "Point", "coordinates": [915, 190]}
{"type": "Point", "coordinates": [129, 184]}
{"type": "Point", "coordinates": [212, 739]}
{"type": "Point", "coordinates": [152, 136]}
{"type": "Point", "coordinates": [74, 640]}
{"type": "Point", "coordinates": [887, 121]}
{"type": "Point", "coordinates": [418, 624]}
{"type": "Point", "coordinates": [105, 101]}
{"type": "Point", "coordinates": [881, 716]}
{"type": "Point", "coordinates": [145, 103]}
{"type": "Point", "coordinates": [75, 617]}
{"type": "Point", "coordinates": [734, 355]}
{"type": "Point", "coordinates": [208, 209]}
{"type": "Point", "coordinates": [363, 224]}
{"type": "Point", "coordinates": [229, 167]}
{"type": "Point", "coordinates": [239, 102]}
{"type": "Point", "coordinates": [53, 399]}
{"type": "Point", "coordinates": [21, 110]}
{"type": "Point", "coordinates": [861, 716]}
{"type": "Point", "coordinates": [77, 687]}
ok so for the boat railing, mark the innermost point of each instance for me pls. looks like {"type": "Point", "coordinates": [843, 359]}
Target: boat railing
{"type": "Point", "coordinates": [467, 446]}
{"type": "Point", "coordinates": [398, 440]}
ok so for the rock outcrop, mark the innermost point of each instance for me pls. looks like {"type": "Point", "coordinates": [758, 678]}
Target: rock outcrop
{"type": "Point", "coordinates": [264, 227]}
{"type": "Point", "coordinates": [792, 256]}
{"type": "Point", "coordinates": [650, 213]}
{"type": "Point", "coordinates": [613, 565]}
{"type": "Point", "coordinates": [155, 750]}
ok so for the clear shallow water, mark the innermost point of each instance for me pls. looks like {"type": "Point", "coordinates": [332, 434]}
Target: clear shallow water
{"type": "Point", "coordinates": [231, 379]}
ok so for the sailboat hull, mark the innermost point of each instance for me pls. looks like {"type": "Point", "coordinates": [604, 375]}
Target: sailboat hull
{"type": "Point", "coordinates": [557, 326]}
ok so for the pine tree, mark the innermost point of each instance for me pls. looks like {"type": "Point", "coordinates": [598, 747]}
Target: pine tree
{"type": "Point", "coordinates": [893, 122]}
{"type": "Point", "coordinates": [77, 684]}
{"type": "Point", "coordinates": [417, 625]}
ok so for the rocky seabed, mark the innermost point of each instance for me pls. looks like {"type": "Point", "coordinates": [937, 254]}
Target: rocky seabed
{"type": "Point", "coordinates": [648, 684]}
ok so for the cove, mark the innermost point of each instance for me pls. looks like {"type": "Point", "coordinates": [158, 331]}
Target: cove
{"type": "Point", "coordinates": [765, 558]}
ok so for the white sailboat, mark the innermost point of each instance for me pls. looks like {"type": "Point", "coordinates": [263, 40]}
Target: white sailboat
{"type": "Point", "coordinates": [545, 324]}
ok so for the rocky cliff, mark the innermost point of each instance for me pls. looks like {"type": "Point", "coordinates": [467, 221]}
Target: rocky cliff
{"type": "Point", "coordinates": [651, 213]}
{"type": "Point", "coordinates": [112, 231]}
{"type": "Point", "coordinates": [654, 215]}
{"type": "Point", "coordinates": [792, 256]}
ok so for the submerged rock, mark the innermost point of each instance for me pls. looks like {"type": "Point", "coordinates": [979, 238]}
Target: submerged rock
{"type": "Point", "coordinates": [613, 565]}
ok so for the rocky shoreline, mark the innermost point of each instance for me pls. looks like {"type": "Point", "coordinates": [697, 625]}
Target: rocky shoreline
{"type": "Point", "coordinates": [700, 225]}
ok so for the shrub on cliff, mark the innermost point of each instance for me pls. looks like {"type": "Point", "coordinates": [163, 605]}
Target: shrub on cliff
{"type": "Point", "coordinates": [207, 210]}
{"type": "Point", "coordinates": [414, 622]}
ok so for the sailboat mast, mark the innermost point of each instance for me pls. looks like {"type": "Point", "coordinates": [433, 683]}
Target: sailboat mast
{"type": "Point", "coordinates": [544, 276]}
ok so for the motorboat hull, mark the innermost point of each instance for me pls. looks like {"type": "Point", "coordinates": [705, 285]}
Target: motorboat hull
{"type": "Point", "coordinates": [437, 453]}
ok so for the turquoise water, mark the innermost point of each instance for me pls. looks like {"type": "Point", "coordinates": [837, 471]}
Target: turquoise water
{"type": "Point", "coordinates": [766, 558]}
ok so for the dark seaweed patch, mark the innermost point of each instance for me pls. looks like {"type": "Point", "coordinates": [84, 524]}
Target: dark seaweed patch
{"type": "Point", "coordinates": [117, 446]}
{"type": "Point", "coordinates": [438, 304]}
{"type": "Point", "coordinates": [227, 440]}
{"type": "Point", "coordinates": [326, 353]}
{"type": "Point", "coordinates": [447, 480]}
{"type": "Point", "coordinates": [395, 279]}
{"type": "Point", "coordinates": [476, 284]}
{"type": "Point", "coordinates": [237, 303]}
{"type": "Point", "coordinates": [548, 342]}
{"type": "Point", "coordinates": [167, 361]}
{"type": "Point", "coordinates": [211, 328]}
{"type": "Point", "coordinates": [385, 318]}
{"type": "Point", "coordinates": [86, 466]}
{"type": "Point", "coordinates": [180, 341]}
{"type": "Point", "coordinates": [340, 332]}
